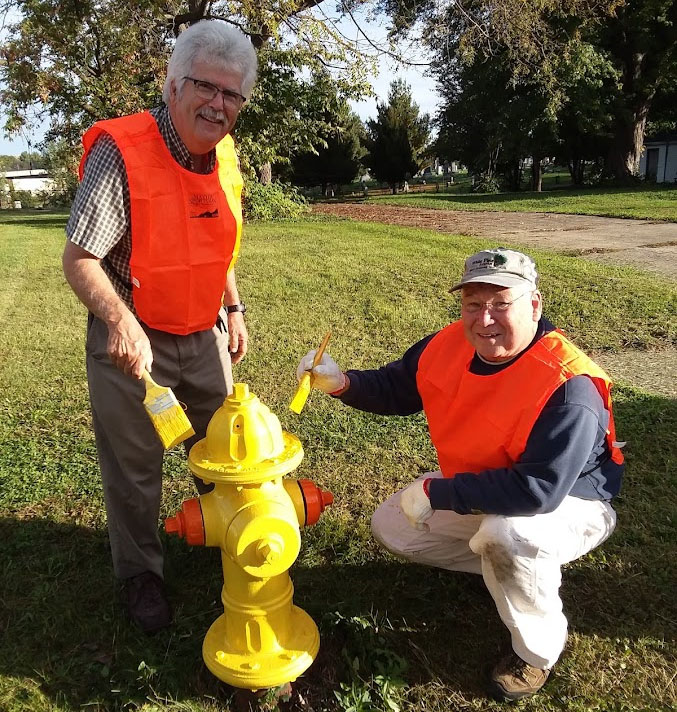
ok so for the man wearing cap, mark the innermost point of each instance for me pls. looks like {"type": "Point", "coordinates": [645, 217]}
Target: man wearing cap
{"type": "Point", "coordinates": [523, 427]}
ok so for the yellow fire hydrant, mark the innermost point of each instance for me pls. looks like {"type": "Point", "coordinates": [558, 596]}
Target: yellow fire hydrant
{"type": "Point", "coordinates": [261, 640]}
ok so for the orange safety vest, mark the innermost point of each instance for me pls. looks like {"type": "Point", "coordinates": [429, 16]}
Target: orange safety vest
{"type": "Point", "coordinates": [483, 422]}
{"type": "Point", "coordinates": [185, 226]}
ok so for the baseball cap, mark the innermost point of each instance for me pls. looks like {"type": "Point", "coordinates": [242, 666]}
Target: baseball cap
{"type": "Point", "coordinates": [500, 266]}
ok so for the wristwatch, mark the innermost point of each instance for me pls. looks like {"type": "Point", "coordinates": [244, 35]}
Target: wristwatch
{"type": "Point", "coordinates": [236, 308]}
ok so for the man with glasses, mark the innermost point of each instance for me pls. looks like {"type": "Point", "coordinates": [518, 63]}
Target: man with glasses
{"type": "Point", "coordinates": [523, 428]}
{"type": "Point", "coordinates": [152, 240]}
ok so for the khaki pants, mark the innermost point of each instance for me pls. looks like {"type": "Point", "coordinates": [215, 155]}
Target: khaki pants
{"type": "Point", "coordinates": [197, 368]}
{"type": "Point", "coordinates": [519, 558]}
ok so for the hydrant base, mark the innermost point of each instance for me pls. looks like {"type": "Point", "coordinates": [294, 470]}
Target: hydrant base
{"type": "Point", "coordinates": [257, 670]}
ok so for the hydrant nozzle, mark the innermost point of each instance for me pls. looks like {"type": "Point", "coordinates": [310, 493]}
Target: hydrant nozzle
{"type": "Point", "coordinates": [187, 523]}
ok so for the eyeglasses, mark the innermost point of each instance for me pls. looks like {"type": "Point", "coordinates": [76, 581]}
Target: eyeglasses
{"type": "Point", "coordinates": [207, 90]}
{"type": "Point", "coordinates": [472, 306]}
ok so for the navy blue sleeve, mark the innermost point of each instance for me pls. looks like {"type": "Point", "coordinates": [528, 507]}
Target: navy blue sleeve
{"type": "Point", "coordinates": [389, 390]}
{"type": "Point", "coordinates": [568, 435]}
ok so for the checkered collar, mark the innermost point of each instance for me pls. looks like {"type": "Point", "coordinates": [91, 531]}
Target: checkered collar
{"type": "Point", "coordinates": [174, 143]}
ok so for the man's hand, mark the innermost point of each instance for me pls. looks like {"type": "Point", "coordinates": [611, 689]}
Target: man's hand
{"type": "Point", "coordinates": [237, 337]}
{"type": "Point", "coordinates": [328, 377]}
{"type": "Point", "coordinates": [128, 346]}
{"type": "Point", "coordinates": [415, 504]}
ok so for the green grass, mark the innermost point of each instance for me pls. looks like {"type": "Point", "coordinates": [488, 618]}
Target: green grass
{"type": "Point", "coordinates": [416, 637]}
{"type": "Point", "coordinates": [646, 202]}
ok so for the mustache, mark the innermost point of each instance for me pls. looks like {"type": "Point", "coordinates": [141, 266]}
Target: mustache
{"type": "Point", "coordinates": [212, 114]}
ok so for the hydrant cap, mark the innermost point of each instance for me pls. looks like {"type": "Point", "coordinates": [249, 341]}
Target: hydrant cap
{"type": "Point", "coordinates": [243, 431]}
{"type": "Point", "coordinates": [316, 500]}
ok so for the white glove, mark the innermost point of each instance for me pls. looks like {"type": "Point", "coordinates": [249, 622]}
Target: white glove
{"type": "Point", "coordinates": [327, 376]}
{"type": "Point", "coordinates": [415, 504]}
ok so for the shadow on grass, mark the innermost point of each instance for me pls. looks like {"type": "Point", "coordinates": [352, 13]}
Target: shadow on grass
{"type": "Point", "coordinates": [65, 632]}
{"type": "Point", "coordinates": [65, 635]}
{"type": "Point", "coordinates": [35, 219]}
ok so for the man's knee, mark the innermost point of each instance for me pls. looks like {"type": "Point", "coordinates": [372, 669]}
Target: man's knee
{"type": "Point", "coordinates": [385, 524]}
{"type": "Point", "coordinates": [504, 538]}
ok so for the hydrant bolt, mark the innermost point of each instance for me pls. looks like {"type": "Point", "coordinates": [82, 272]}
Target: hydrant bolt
{"type": "Point", "coordinates": [269, 550]}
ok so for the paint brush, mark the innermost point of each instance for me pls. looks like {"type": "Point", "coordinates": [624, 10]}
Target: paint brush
{"type": "Point", "coordinates": [165, 412]}
{"type": "Point", "coordinates": [303, 391]}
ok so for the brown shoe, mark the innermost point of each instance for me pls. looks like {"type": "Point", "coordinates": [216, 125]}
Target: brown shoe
{"type": "Point", "coordinates": [147, 602]}
{"type": "Point", "coordinates": [513, 678]}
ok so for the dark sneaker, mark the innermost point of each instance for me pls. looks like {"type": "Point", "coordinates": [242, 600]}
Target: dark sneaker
{"type": "Point", "coordinates": [513, 678]}
{"type": "Point", "coordinates": [147, 602]}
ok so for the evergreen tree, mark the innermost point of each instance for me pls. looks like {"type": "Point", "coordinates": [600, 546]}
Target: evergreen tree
{"type": "Point", "coordinates": [338, 159]}
{"type": "Point", "coordinates": [397, 138]}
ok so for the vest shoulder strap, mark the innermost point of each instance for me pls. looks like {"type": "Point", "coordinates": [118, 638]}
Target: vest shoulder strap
{"type": "Point", "coordinates": [125, 131]}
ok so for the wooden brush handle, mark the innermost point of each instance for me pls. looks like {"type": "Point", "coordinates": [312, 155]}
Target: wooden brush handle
{"type": "Point", "coordinates": [320, 351]}
{"type": "Point", "coordinates": [148, 378]}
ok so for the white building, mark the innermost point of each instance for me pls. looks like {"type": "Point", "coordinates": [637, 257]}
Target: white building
{"type": "Point", "coordinates": [34, 181]}
{"type": "Point", "coordinates": [659, 159]}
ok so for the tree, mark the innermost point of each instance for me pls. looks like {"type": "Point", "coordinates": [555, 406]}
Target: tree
{"type": "Point", "coordinates": [26, 160]}
{"type": "Point", "coordinates": [472, 127]}
{"type": "Point", "coordinates": [397, 138]}
{"type": "Point", "coordinates": [663, 114]}
{"type": "Point", "coordinates": [641, 42]}
{"type": "Point", "coordinates": [77, 61]}
{"type": "Point", "coordinates": [339, 159]}
{"type": "Point", "coordinates": [62, 165]}
{"type": "Point", "coordinates": [491, 120]}
{"type": "Point", "coordinates": [531, 35]}
{"type": "Point", "coordinates": [584, 117]}
{"type": "Point", "coordinates": [638, 38]}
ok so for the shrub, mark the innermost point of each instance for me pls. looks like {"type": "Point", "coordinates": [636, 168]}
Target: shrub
{"type": "Point", "coordinates": [485, 184]}
{"type": "Point", "coordinates": [275, 201]}
{"type": "Point", "coordinates": [28, 200]}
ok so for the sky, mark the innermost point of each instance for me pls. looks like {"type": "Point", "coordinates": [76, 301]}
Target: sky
{"type": "Point", "coordinates": [375, 28]}
{"type": "Point", "coordinates": [423, 88]}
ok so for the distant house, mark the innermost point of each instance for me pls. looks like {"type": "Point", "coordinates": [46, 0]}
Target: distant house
{"type": "Point", "coordinates": [658, 162]}
{"type": "Point", "coordinates": [33, 181]}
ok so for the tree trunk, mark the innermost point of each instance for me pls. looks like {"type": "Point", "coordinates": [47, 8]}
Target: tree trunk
{"type": "Point", "coordinates": [576, 170]}
{"type": "Point", "coordinates": [630, 119]}
{"type": "Point", "coordinates": [626, 146]}
{"type": "Point", "coordinates": [515, 175]}
{"type": "Point", "coordinates": [536, 173]}
{"type": "Point", "coordinates": [493, 157]}
{"type": "Point", "coordinates": [266, 174]}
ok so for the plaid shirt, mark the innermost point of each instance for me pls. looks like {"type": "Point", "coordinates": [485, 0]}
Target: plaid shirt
{"type": "Point", "coordinates": [100, 219]}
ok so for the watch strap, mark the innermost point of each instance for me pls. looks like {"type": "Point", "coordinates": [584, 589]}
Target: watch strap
{"type": "Point", "coordinates": [236, 308]}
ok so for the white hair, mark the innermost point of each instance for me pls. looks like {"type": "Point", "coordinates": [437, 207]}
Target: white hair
{"type": "Point", "coordinates": [217, 43]}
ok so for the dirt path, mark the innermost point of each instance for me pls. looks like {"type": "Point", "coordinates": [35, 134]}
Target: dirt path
{"type": "Point", "coordinates": [644, 244]}
{"type": "Point", "coordinates": [640, 243]}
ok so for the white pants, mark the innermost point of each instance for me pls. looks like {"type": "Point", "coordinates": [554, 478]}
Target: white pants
{"type": "Point", "coordinates": [519, 558]}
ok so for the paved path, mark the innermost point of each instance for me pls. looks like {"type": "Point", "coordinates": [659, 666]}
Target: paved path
{"type": "Point", "coordinates": [644, 244]}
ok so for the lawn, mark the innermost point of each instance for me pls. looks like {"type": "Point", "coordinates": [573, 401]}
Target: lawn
{"type": "Point", "coordinates": [407, 637]}
{"type": "Point", "coordinates": [647, 202]}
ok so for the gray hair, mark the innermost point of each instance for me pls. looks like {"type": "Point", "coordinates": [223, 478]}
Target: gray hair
{"type": "Point", "coordinates": [218, 43]}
